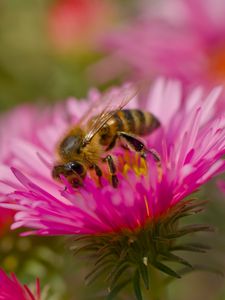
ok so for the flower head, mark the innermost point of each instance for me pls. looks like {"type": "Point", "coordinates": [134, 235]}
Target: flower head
{"type": "Point", "coordinates": [180, 39]}
{"type": "Point", "coordinates": [190, 143]}
{"type": "Point", "coordinates": [77, 24]}
{"type": "Point", "coordinates": [145, 208]}
{"type": "Point", "coordinates": [11, 288]}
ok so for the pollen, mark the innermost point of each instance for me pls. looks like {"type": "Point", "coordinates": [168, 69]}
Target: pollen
{"type": "Point", "coordinates": [126, 162]}
{"type": "Point", "coordinates": [132, 161]}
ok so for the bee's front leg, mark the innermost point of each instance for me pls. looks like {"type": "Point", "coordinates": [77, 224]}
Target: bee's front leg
{"type": "Point", "coordinates": [98, 173]}
{"type": "Point", "coordinates": [112, 169]}
{"type": "Point", "coordinates": [137, 146]}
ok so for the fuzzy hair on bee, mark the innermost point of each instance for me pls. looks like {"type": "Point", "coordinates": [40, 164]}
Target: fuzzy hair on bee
{"type": "Point", "coordinates": [87, 145]}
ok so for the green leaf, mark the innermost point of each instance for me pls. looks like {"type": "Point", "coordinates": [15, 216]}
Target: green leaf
{"type": "Point", "coordinates": [136, 285]}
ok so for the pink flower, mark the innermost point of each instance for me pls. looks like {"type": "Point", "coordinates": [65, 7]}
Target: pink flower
{"type": "Point", "coordinates": [190, 143]}
{"type": "Point", "coordinates": [6, 219]}
{"type": "Point", "coordinates": [11, 288]}
{"type": "Point", "coordinates": [180, 39]}
{"type": "Point", "coordinates": [137, 224]}
{"type": "Point", "coordinates": [77, 24]}
{"type": "Point", "coordinates": [6, 215]}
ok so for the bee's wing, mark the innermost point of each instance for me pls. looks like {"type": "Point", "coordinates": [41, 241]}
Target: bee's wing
{"type": "Point", "coordinates": [106, 107]}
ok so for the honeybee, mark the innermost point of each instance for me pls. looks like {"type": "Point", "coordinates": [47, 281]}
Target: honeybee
{"type": "Point", "coordinates": [87, 145]}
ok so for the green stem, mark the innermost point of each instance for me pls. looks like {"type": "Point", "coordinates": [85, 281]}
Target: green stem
{"type": "Point", "coordinates": [157, 290]}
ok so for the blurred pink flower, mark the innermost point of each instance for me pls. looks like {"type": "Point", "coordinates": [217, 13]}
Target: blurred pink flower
{"type": "Point", "coordinates": [180, 39]}
{"type": "Point", "coordinates": [75, 25]}
{"type": "Point", "coordinates": [12, 289]}
{"type": "Point", "coordinates": [190, 142]}
{"type": "Point", "coordinates": [6, 215]}
{"type": "Point", "coordinates": [6, 219]}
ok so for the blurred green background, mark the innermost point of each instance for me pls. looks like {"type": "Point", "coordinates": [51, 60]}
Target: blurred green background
{"type": "Point", "coordinates": [33, 64]}
{"type": "Point", "coordinates": [30, 68]}
{"type": "Point", "coordinates": [35, 67]}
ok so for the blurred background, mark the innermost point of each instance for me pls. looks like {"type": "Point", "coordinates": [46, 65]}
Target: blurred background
{"type": "Point", "coordinates": [46, 46]}
{"type": "Point", "coordinates": [47, 49]}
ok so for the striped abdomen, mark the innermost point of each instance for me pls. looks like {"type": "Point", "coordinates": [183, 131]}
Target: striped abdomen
{"type": "Point", "coordinates": [132, 121]}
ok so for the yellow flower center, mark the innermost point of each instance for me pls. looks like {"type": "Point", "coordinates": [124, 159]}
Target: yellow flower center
{"type": "Point", "coordinates": [132, 161]}
{"type": "Point", "coordinates": [125, 162]}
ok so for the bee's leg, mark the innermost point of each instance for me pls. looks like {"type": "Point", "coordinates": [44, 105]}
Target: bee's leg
{"type": "Point", "coordinates": [112, 144]}
{"type": "Point", "coordinates": [154, 154]}
{"type": "Point", "coordinates": [112, 170]}
{"type": "Point", "coordinates": [98, 172]}
{"type": "Point", "coordinates": [138, 146]}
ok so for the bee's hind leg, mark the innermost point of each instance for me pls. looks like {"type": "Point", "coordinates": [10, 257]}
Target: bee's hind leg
{"type": "Point", "coordinates": [112, 169]}
{"type": "Point", "coordinates": [138, 146]}
{"type": "Point", "coordinates": [154, 154]}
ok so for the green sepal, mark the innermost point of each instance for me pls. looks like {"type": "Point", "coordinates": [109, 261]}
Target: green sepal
{"type": "Point", "coordinates": [118, 273]}
{"type": "Point", "coordinates": [166, 269]}
{"type": "Point", "coordinates": [144, 275]}
{"type": "Point", "coordinates": [190, 229]}
{"type": "Point", "coordinates": [95, 273]}
{"type": "Point", "coordinates": [174, 258]}
{"type": "Point", "coordinates": [203, 268]}
{"type": "Point", "coordinates": [136, 286]}
{"type": "Point", "coordinates": [116, 289]}
{"type": "Point", "coordinates": [192, 247]}
{"type": "Point", "coordinates": [196, 268]}
{"type": "Point", "coordinates": [128, 256]}
{"type": "Point", "coordinates": [101, 258]}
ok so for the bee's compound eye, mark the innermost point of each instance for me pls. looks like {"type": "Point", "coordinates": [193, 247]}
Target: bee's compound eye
{"type": "Point", "coordinates": [77, 167]}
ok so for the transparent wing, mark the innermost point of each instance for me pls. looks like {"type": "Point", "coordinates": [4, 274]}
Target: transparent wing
{"type": "Point", "coordinates": [103, 109]}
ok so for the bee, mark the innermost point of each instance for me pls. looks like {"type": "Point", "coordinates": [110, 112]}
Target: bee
{"type": "Point", "coordinates": [88, 144]}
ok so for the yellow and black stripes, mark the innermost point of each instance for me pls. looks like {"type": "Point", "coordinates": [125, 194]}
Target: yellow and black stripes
{"type": "Point", "coordinates": [128, 119]}
{"type": "Point", "coordinates": [136, 121]}
{"type": "Point", "coordinates": [132, 121]}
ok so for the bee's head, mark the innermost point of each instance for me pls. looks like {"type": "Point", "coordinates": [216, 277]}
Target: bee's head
{"type": "Point", "coordinates": [74, 172]}
{"type": "Point", "coordinates": [71, 144]}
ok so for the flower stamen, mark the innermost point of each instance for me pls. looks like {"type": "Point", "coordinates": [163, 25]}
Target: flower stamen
{"type": "Point", "coordinates": [147, 206]}
{"type": "Point", "coordinates": [132, 162]}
